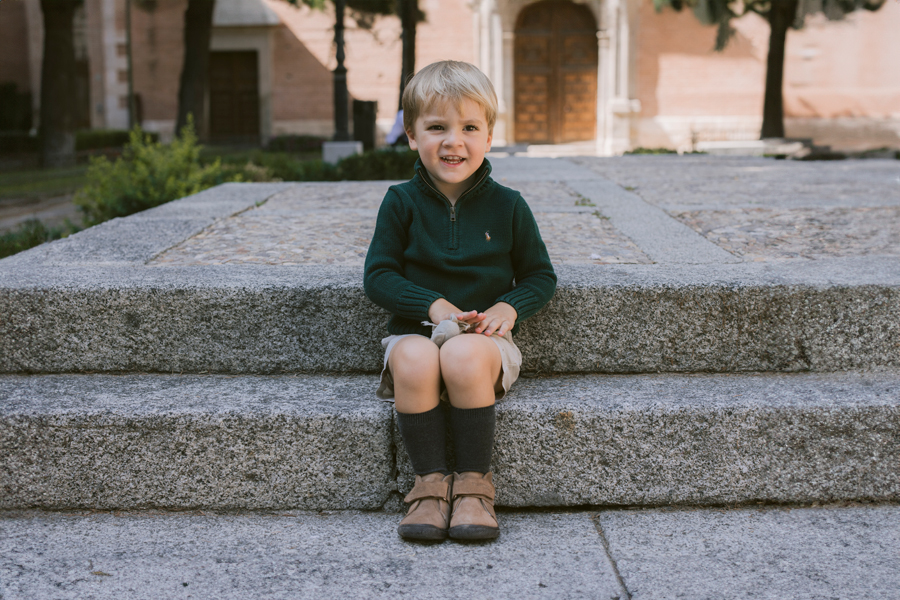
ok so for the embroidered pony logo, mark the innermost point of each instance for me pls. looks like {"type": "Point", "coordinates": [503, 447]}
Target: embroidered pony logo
{"type": "Point", "coordinates": [487, 236]}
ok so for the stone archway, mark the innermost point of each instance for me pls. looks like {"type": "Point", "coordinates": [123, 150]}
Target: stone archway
{"type": "Point", "coordinates": [555, 73]}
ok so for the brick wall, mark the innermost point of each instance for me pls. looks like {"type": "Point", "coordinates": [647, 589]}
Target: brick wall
{"type": "Point", "coordinates": [832, 70]}
{"type": "Point", "coordinates": [849, 68]}
{"type": "Point", "coordinates": [304, 58]}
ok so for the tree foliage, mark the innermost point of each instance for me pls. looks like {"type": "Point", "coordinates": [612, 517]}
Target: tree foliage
{"type": "Point", "coordinates": [721, 12]}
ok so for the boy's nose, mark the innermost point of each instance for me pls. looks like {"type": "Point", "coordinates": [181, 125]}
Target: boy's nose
{"type": "Point", "coordinates": [451, 138]}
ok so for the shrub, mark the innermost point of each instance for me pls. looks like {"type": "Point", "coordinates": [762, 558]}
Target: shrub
{"type": "Point", "coordinates": [96, 139]}
{"type": "Point", "coordinates": [652, 151]}
{"type": "Point", "coordinates": [319, 170]}
{"type": "Point", "coordinates": [279, 166]}
{"type": "Point", "coordinates": [29, 234]}
{"type": "Point", "coordinates": [286, 167]}
{"type": "Point", "coordinates": [379, 164]}
{"type": "Point", "coordinates": [248, 171]}
{"type": "Point", "coordinates": [295, 144]}
{"type": "Point", "coordinates": [146, 175]}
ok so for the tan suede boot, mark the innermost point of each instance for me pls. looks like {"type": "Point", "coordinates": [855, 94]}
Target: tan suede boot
{"type": "Point", "coordinates": [473, 516]}
{"type": "Point", "coordinates": [429, 511]}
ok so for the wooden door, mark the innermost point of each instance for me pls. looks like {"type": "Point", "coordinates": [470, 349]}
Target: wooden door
{"type": "Point", "coordinates": [233, 97]}
{"type": "Point", "coordinates": [555, 73]}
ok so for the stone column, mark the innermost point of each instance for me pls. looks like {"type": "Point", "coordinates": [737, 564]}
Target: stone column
{"type": "Point", "coordinates": [606, 75]}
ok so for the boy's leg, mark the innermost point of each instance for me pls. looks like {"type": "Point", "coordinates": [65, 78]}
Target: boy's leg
{"type": "Point", "coordinates": [415, 369]}
{"type": "Point", "coordinates": [471, 366]}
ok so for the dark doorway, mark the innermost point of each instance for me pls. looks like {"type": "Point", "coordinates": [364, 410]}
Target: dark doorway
{"type": "Point", "coordinates": [234, 97]}
{"type": "Point", "coordinates": [555, 73]}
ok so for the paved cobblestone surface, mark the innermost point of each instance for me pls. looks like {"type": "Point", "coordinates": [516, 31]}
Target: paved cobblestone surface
{"type": "Point", "coordinates": [714, 183]}
{"type": "Point", "coordinates": [756, 209]}
{"type": "Point", "coordinates": [761, 234]}
{"type": "Point", "coordinates": [764, 209]}
{"type": "Point", "coordinates": [333, 224]}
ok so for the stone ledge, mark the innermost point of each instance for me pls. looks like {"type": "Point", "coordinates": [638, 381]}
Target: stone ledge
{"type": "Point", "coordinates": [314, 442]}
{"type": "Point", "coordinates": [175, 442]}
{"type": "Point", "coordinates": [838, 314]}
{"type": "Point", "coordinates": [700, 439]}
{"type": "Point", "coordinates": [134, 240]}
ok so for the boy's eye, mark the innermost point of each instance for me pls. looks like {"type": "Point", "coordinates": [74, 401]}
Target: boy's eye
{"type": "Point", "coordinates": [471, 128]}
{"type": "Point", "coordinates": [436, 127]}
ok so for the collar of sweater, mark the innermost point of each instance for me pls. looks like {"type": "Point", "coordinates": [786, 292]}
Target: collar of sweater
{"type": "Point", "coordinates": [422, 180]}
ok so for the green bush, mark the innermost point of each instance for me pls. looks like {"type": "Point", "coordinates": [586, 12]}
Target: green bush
{"type": "Point", "coordinates": [652, 151]}
{"type": "Point", "coordinates": [95, 139]}
{"type": "Point", "coordinates": [318, 170]}
{"type": "Point", "coordinates": [279, 166]}
{"type": "Point", "coordinates": [29, 234]}
{"type": "Point", "coordinates": [295, 143]}
{"type": "Point", "coordinates": [379, 164]}
{"type": "Point", "coordinates": [146, 175]}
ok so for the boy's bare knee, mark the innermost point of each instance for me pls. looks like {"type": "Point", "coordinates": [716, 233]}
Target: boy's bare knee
{"type": "Point", "coordinates": [416, 356]}
{"type": "Point", "coordinates": [468, 356]}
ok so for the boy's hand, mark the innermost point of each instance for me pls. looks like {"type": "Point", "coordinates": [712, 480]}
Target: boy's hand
{"type": "Point", "coordinates": [501, 318]}
{"type": "Point", "coordinates": [441, 310]}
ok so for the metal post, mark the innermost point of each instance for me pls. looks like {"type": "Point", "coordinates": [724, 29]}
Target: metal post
{"type": "Point", "coordinates": [341, 96]}
{"type": "Point", "coordinates": [131, 108]}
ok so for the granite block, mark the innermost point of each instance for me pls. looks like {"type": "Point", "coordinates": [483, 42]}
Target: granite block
{"type": "Point", "coordinates": [140, 441]}
{"type": "Point", "coordinates": [758, 554]}
{"type": "Point", "coordinates": [817, 316]}
{"type": "Point", "coordinates": [294, 555]}
{"type": "Point", "coordinates": [136, 239]}
{"type": "Point", "coordinates": [695, 440]}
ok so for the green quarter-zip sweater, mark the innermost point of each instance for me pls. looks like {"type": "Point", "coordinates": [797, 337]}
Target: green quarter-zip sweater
{"type": "Point", "coordinates": [485, 249]}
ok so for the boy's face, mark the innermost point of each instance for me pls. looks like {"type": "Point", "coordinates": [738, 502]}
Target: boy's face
{"type": "Point", "coordinates": [451, 142]}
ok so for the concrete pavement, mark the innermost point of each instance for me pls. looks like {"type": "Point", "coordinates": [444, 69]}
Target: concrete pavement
{"type": "Point", "coordinates": [830, 552]}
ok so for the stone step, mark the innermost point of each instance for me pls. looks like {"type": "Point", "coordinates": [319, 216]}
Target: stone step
{"type": "Point", "coordinates": [754, 552]}
{"type": "Point", "coordinates": [115, 298]}
{"type": "Point", "coordinates": [325, 442]}
{"type": "Point", "coordinates": [823, 316]}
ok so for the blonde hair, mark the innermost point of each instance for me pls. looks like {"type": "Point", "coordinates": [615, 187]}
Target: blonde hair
{"type": "Point", "coordinates": [448, 80]}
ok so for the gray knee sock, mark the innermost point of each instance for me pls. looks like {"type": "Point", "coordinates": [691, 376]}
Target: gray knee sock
{"type": "Point", "coordinates": [425, 437]}
{"type": "Point", "coordinates": [473, 437]}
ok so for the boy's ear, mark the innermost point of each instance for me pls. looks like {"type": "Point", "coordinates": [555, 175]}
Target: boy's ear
{"type": "Point", "coordinates": [412, 140]}
{"type": "Point", "coordinates": [489, 140]}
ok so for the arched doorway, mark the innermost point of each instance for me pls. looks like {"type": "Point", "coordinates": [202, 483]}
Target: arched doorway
{"type": "Point", "coordinates": [555, 73]}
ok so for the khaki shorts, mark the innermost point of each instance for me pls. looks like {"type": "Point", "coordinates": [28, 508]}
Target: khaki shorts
{"type": "Point", "coordinates": [510, 357]}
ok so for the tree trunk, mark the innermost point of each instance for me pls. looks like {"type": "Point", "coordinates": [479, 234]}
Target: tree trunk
{"type": "Point", "coordinates": [57, 113]}
{"type": "Point", "coordinates": [195, 72]}
{"type": "Point", "coordinates": [409, 13]}
{"type": "Point", "coordinates": [781, 16]}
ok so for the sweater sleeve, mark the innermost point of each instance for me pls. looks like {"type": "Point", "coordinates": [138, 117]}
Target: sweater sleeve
{"type": "Point", "coordinates": [384, 281]}
{"type": "Point", "coordinates": [534, 275]}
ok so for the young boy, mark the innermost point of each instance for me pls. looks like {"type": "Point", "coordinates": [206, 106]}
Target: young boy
{"type": "Point", "coordinates": [453, 245]}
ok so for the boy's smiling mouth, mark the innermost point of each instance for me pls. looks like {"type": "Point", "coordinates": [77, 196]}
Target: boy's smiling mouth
{"type": "Point", "coordinates": [452, 160]}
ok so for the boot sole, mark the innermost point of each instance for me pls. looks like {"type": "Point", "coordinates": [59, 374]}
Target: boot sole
{"type": "Point", "coordinates": [422, 532]}
{"type": "Point", "coordinates": [474, 532]}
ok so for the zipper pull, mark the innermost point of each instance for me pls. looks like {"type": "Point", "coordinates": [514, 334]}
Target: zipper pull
{"type": "Point", "coordinates": [452, 213]}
